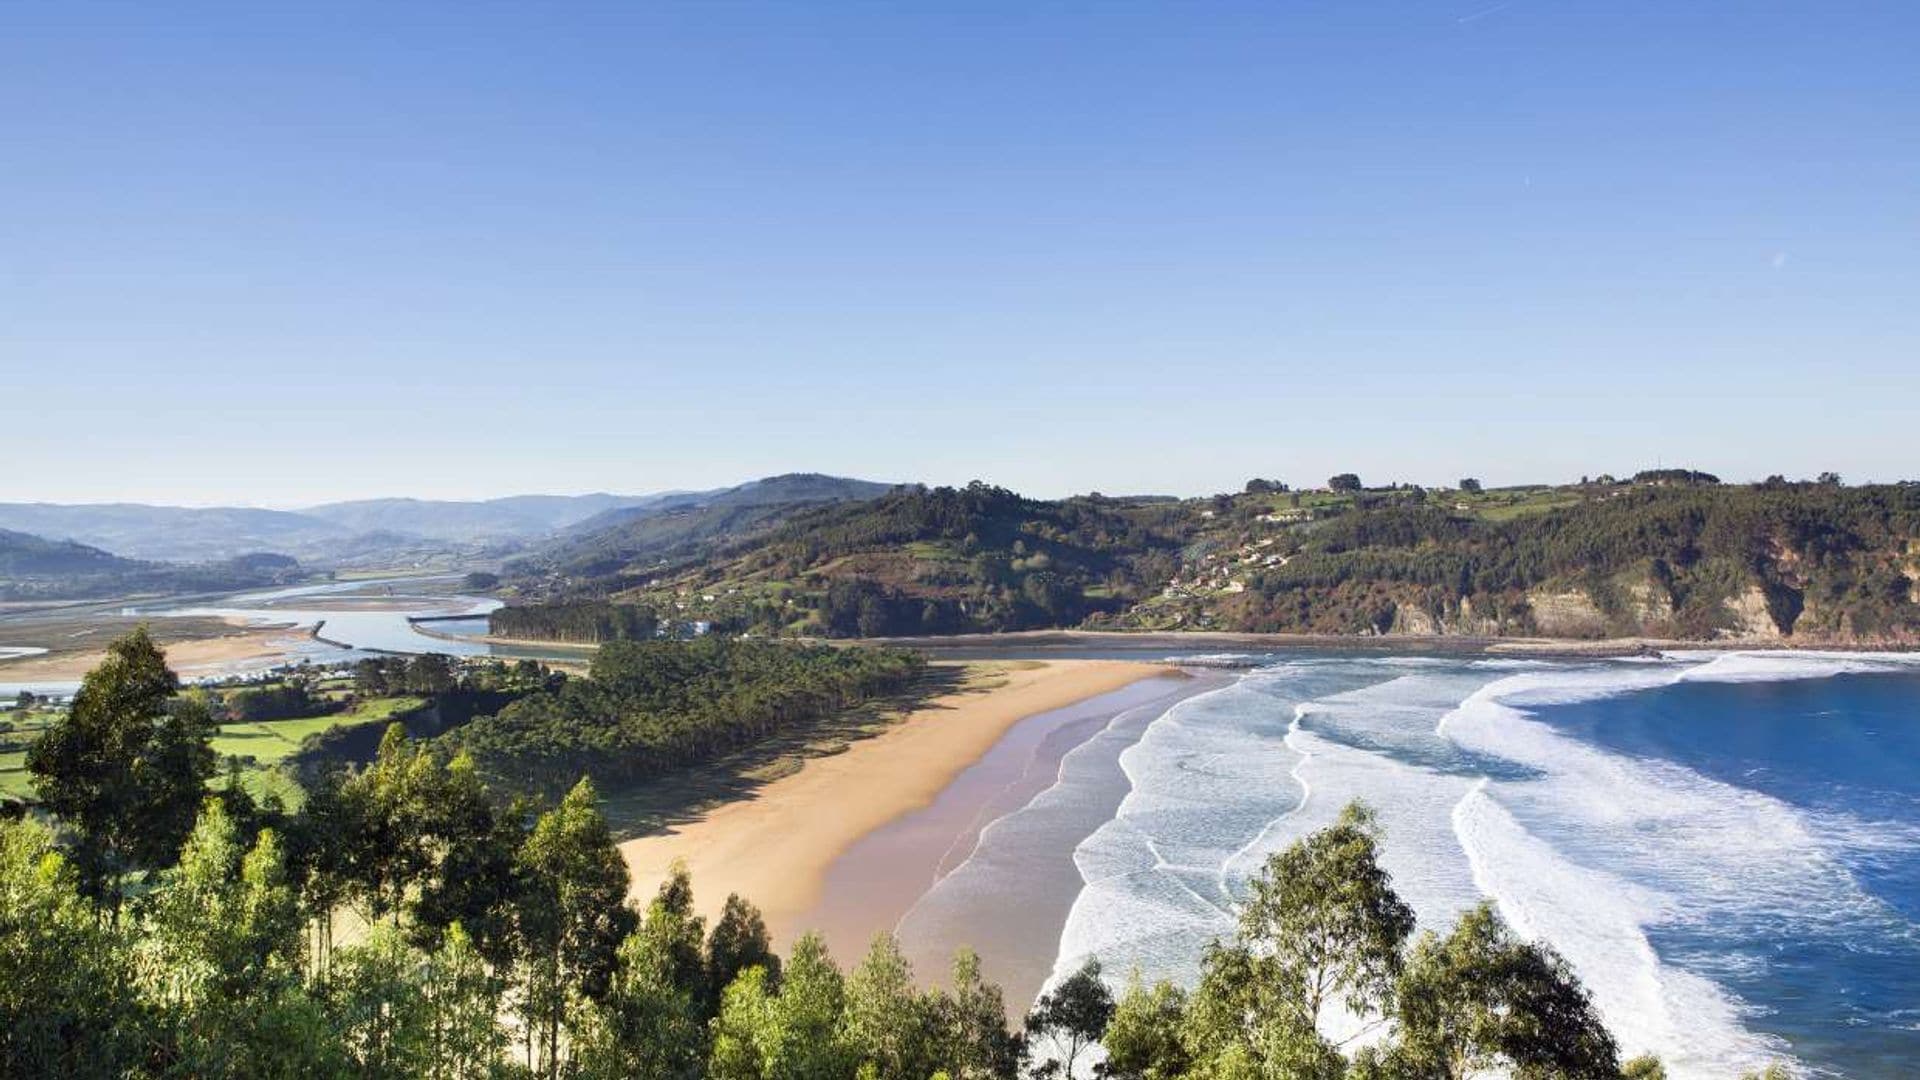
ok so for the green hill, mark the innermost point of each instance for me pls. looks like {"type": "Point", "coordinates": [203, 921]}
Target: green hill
{"type": "Point", "coordinates": [1672, 554]}
{"type": "Point", "coordinates": [607, 552]}
{"type": "Point", "coordinates": [923, 560]}
{"type": "Point", "coordinates": [23, 555]}
{"type": "Point", "coordinates": [1659, 557]}
{"type": "Point", "coordinates": [35, 568]}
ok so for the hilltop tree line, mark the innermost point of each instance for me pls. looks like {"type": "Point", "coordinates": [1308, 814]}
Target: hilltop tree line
{"type": "Point", "coordinates": [654, 706]}
{"type": "Point", "coordinates": [1826, 560]}
{"type": "Point", "coordinates": [497, 939]}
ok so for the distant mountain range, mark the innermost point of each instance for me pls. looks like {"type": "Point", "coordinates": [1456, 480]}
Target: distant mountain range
{"type": "Point", "coordinates": [1666, 554]}
{"type": "Point", "coordinates": [513, 517]}
{"type": "Point", "coordinates": [173, 533]}
{"type": "Point", "coordinates": [95, 543]}
{"type": "Point", "coordinates": [320, 534]}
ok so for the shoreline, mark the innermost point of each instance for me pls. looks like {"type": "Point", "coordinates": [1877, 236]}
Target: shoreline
{"type": "Point", "coordinates": [1453, 644]}
{"type": "Point", "coordinates": [1383, 643]}
{"type": "Point", "coordinates": [776, 846]}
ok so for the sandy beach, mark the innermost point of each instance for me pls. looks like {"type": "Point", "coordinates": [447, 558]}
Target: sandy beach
{"type": "Point", "coordinates": [189, 657]}
{"type": "Point", "coordinates": [775, 846]}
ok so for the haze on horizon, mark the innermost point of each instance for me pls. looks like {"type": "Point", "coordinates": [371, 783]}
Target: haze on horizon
{"type": "Point", "coordinates": [271, 257]}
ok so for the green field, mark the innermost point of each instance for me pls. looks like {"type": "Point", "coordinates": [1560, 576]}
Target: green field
{"type": "Point", "coordinates": [260, 746]}
{"type": "Point", "coordinates": [13, 774]}
{"type": "Point", "coordinates": [269, 741]}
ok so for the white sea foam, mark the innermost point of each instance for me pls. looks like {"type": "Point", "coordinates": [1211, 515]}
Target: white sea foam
{"type": "Point", "coordinates": [1596, 847]}
{"type": "Point", "coordinates": [1358, 745]}
{"type": "Point", "coordinates": [1206, 777]}
{"type": "Point", "coordinates": [1225, 779]}
{"type": "Point", "coordinates": [1782, 666]}
{"type": "Point", "coordinates": [1581, 847]}
{"type": "Point", "coordinates": [1596, 921]}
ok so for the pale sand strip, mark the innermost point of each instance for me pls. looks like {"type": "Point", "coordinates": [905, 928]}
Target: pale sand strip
{"type": "Point", "coordinates": [188, 658]}
{"type": "Point", "coordinates": [774, 847]}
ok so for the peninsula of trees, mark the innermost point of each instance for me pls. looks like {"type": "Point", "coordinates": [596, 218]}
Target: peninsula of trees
{"type": "Point", "coordinates": [653, 707]}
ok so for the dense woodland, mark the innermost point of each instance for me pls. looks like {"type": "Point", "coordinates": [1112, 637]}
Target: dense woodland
{"type": "Point", "coordinates": [655, 706]}
{"type": "Point", "coordinates": [409, 921]}
{"type": "Point", "coordinates": [1827, 562]}
{"type": "Point", "coordinates": [1668, 553]}
{"type": "Point", "coordinates": [921, 560]}
{"type": "Point", "coordinates": [584, 621]}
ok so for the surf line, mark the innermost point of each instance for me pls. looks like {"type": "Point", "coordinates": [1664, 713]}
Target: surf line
{"type": "Point", "coordinates": [1298, 772]}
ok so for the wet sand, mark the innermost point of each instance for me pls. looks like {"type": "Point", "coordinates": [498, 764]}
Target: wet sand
{"type": "Point", "coordinates": [989, 863]}
{"type": "Point", "coordinates": [778, 846]}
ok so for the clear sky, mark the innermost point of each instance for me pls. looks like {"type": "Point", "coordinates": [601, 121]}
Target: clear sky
{"type": "Point", "coordinates": [260, 255]}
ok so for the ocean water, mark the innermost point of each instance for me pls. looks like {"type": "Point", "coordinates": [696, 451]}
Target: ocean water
{"type": "Point", "coordinates": [1726, 847]}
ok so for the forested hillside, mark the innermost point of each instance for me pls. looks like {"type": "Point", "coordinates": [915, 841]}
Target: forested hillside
{"type": "Point", "coordinates": [926, 561]}
{"type": "Point", "coordinates": [1696, 560]}
{"type": "Point", "coordinates": [26, 556]}
{"type": "Point", "coordinates": [34, 568]}
{"type": "Point", "coordinates": [1669, 553]}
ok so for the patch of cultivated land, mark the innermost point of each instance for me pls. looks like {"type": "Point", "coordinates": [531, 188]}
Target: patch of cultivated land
{"type": "Point", "coordinates": [260, 745]}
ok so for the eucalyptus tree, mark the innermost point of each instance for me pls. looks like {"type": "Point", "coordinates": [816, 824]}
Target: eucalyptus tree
{"type": "Point", "coordinates": [219, 961]}
{"type": "Point", "coordinates": [1072, 1016]}
{"type": "Point", "coordinates": [973, 1019]}
{"type": "Point", "coordinates": [888, 1024]}
{"type": "Point", "coordinates": [572, 918]}
{"type": "Point", "coordinates": [649, 1021]}
{"type": "Point", "coordinates": [1143, 1040]}
{"type": "Point", "coordinates": [794, 1034]}
{"type": "Point", "coordinates": [125, 767]}
{"type": "Point", "coordinates": [1324, 923]}
{"type": "Point", "coordinates": [746, 1032]}
{"type": "Point", "coordinates": [1482, 1000]}
{"type": "Point", "coordinates": [67, 1001]}
{"type": "Point", "coordinates": [739, 941]}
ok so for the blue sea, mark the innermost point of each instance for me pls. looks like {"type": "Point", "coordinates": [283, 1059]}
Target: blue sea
{"type": "Point", "coordinates": [1725, 846]}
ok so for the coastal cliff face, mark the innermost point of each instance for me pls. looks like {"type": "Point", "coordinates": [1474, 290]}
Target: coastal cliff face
{"type": "Point", "coordinates": [1784, 596]}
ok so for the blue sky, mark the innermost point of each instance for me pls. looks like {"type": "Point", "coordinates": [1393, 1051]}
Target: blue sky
{"type": "Point", "coordinates": [251, 254]}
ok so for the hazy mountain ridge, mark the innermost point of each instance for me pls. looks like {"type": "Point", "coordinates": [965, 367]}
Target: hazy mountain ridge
{"type": "Point", "coordinates": [172, 533]}
{"type": "Point", "coordinates": [327, 534]}
{"type": "Point", "coordinates": [23, 555]}
{"type": "Point", "coordinates": [510, 517]}
{"type": "Point", "coordinates": [35, 568]}
{"type": "Point", "coordinates": [595, 555]}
